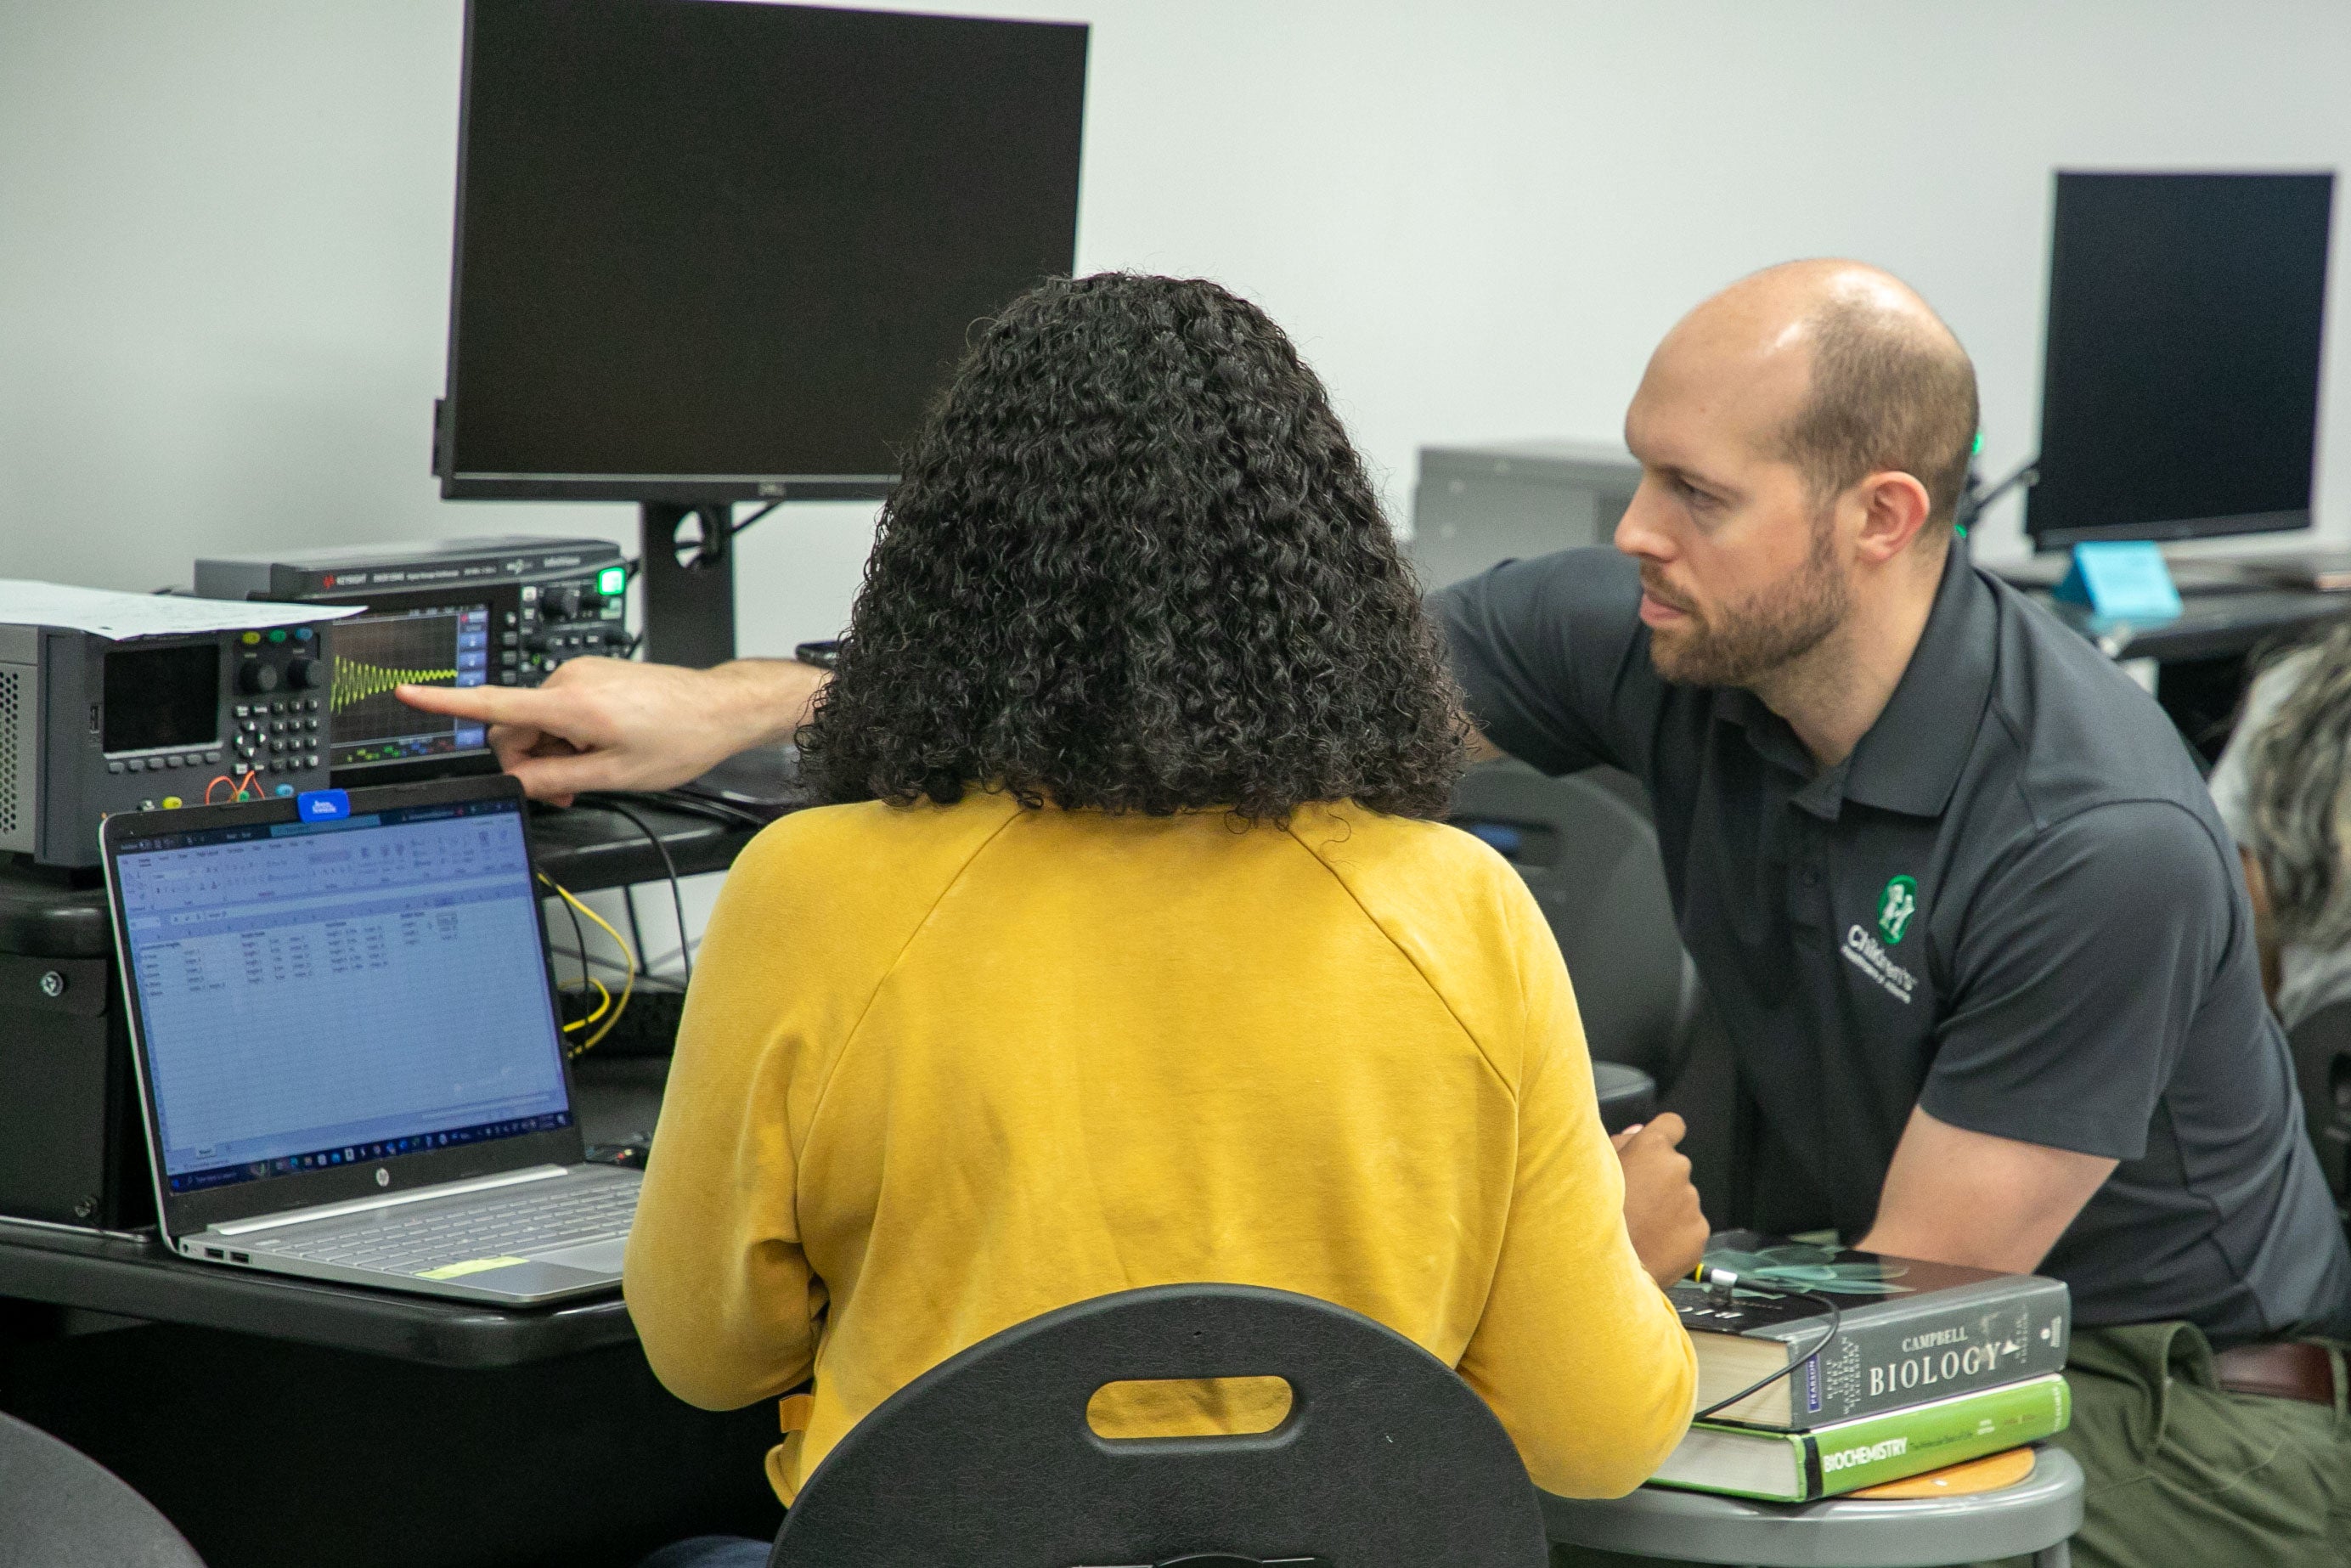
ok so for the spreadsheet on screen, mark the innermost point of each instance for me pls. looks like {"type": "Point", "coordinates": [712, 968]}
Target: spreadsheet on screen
{"type": "Point", "coordinates": [303, 985]}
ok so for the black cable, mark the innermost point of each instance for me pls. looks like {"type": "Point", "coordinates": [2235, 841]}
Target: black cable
{"type": "Point", "coordinates": [725, 813]}
{"type": "Point", "coordinates": [579, 942]}
{"type": "Point", "coordinates": [734, 529]}
{"type": "Point", "coordinates": [1971, 505]}
{"type": "Point", "coordinates": [1836, 1323]}
{"type": "Point", "coordinates": [636, 932]}
{"type": "Point", "coordinates": [578, 935]}
{"type": "Point", "coordinates": [676, 895]}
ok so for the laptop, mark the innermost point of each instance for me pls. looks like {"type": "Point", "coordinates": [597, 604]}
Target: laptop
{"type": "Point", "coordinates": [348, 1047]}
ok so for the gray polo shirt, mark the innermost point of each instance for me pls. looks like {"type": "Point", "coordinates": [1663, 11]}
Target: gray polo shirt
{"type": "Point", "coordinates": [2014, 905]}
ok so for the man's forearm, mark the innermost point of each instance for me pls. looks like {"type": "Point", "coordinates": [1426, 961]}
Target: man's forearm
{"type": "Point", "coordinates": [767, 700]}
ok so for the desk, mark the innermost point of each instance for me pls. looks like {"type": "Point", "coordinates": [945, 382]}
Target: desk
{"type": "Point", "coordinates": [72, 1050]}
{"type": "Point", "coordinates": [281, 1421]}
{"type": "Point", "coordinates": [61, 916]}
{"type": "Point", "coordinates": [75, 1046]}
{"type": "Point", "coordinates": [76, 1150]}
{"type": "Point", "coordinates": [133, 1276]}
{"type": "Point", "coordinates": [585, 847]}
{"type": "Point", "coordinates": [2227, 624]}
{"type": "Point", "coordinates": [2203, 657]}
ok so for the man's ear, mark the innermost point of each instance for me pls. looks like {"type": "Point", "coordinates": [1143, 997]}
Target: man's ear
{"type": "Point", "coordinates": [1894, 508]}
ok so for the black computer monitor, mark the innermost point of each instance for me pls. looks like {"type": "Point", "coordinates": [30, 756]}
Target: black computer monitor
{"type": "Point", "coordinates": [2179, 387]}
{"type": "Point", "coordinates": [709, 250]}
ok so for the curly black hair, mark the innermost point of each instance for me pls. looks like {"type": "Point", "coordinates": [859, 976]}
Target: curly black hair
{"type": "Point", "coordinates": [1134, 565]}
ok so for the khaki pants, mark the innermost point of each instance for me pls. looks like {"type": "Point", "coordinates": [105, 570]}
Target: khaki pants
{"type": "Point", "coordinates": [2181, 1473]}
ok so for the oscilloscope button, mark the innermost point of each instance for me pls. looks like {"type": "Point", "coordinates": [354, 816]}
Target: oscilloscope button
{"type": "Point", "coordinates": [302, 673]}
{"type": "Point", "coordinates": [211, 757]}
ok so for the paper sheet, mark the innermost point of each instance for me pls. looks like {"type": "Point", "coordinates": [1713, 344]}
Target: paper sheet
{"type": "Point", "coordinates": [23, 602]}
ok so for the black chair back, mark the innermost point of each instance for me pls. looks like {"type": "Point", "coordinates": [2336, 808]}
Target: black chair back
{"type": "Point", "coordinates": [1386, 1459]}
{"type": "Point", "coordinates": [1589, 854]}
{"type": "Point", "coordinates": [2322, 1065]}
{"type": "Point", "coordinates": [61, 1509]}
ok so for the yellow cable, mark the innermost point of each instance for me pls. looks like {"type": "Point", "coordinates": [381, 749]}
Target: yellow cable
{"type": "Point", "coordinates": [628, 983]}
{"type": "Point", "coordinates": [603, 1000]}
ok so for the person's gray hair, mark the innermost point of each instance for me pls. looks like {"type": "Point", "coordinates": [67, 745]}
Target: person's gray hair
{"type": "Point", "coordinates": [2295, 787]}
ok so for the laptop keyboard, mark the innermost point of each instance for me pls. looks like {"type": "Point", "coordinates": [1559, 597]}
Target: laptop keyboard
{"type": "Point", "coordinates": [412, 1243]}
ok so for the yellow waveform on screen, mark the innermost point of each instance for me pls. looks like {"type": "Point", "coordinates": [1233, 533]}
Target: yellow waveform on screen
{"type": "Point", "coordinates": [356, 680]}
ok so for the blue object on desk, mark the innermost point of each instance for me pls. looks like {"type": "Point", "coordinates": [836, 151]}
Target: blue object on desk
{"type": "Point", "coordinates": [2121, 580]}
{"type": "Point", "coordinates": [323, 805]}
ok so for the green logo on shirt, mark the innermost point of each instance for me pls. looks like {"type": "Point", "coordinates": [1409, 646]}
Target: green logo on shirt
{"type": "Point", "coordinates": [1896, 905]}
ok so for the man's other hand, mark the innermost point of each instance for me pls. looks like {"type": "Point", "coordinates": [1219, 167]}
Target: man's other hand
{"type": "Point", "coordinates": [612, 723]}
{"type": "Point", "coordinates": [1661, 1207]}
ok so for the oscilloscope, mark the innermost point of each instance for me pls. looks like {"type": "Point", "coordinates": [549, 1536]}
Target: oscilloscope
{"type": "Point", "coordinates": [503, 611]}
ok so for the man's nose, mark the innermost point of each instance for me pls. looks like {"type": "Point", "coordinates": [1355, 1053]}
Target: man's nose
{"type": "Point", "coordinates": [1640, 532]}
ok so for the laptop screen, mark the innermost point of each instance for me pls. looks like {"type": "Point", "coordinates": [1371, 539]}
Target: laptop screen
{"type": "Point", "coordinates": [316, 994]}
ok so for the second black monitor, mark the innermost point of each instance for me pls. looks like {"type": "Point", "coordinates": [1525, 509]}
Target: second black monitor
{"type": "Point", "coordinates": [2179, 392]}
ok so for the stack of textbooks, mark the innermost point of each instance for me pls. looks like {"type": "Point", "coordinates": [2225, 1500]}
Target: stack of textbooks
{"type": "Point", "coordinates": [1932, 1364]}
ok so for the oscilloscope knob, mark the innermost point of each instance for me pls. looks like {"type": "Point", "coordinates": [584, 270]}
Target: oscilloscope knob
{"type": "Point", "coordinates": [256, 679]}
{"type": "Point", "coordinates": [303, 674]}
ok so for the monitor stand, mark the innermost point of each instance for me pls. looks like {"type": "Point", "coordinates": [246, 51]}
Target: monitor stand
{"type": "Point", "coordinates": [687, 553]}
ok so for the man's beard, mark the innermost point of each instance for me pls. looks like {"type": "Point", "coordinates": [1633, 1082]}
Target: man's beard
{"type": "Point", "coordinates": [1743, 644]}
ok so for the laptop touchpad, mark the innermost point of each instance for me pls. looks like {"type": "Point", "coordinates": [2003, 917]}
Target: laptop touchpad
{"type": "Point", "coordinates": [597, 1256]}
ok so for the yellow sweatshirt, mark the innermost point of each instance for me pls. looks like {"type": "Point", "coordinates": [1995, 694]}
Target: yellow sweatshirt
{"type": "Point", "coordinates": [945, 1069]}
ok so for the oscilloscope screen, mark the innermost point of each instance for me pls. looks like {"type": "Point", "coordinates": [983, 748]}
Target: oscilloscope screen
{"type": "Point", "coordinates": [443, 645]}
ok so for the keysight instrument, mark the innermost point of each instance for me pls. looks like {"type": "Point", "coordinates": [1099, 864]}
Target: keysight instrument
{"type": "Point", "coordinates": [504, 611]}
{"type": "Point", "coordinates": [90, 725]}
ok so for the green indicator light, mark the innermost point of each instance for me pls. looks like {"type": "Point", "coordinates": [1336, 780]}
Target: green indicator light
{"type": "Point", "coordinates": [278, 635]}
{"type": "Point", "coordinates": [1978, 446]}
{"type": "Point", "coordinates": [612, 581]}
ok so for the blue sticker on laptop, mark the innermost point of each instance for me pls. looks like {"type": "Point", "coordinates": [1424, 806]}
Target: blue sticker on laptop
{"type": "Point", "coordinates": [323, 805]}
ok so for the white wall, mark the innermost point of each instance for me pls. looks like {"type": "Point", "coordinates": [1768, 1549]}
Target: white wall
{"type": "Point", "coordinates": [225, 225]}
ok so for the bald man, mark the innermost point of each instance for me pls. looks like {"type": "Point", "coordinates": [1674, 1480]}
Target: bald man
{"type": "Point", "coordinates": [1958, 894]}
{"type": "Point", "coordinates": [1951, 880]}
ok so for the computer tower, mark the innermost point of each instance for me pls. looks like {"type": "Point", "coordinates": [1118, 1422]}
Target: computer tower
{"type": "Point", "coordinates": [72, 1149]}
{"type": "Point", "coordinates": [1475, 506]}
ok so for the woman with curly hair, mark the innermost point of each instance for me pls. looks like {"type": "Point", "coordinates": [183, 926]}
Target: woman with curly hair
{"type": "Point", "coordinates": [1130, 951]}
